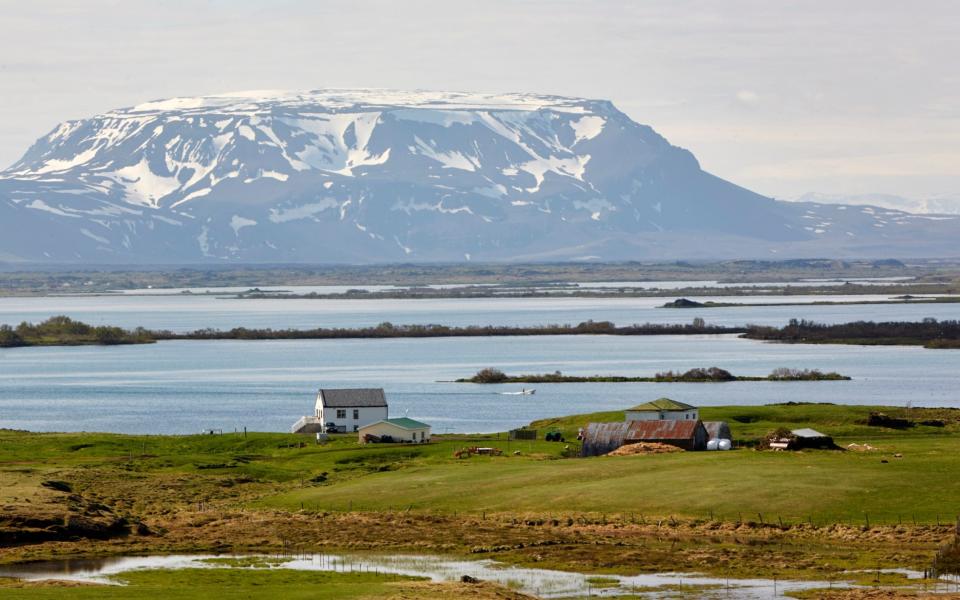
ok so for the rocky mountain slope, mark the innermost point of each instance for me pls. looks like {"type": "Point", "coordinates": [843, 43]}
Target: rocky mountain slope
{"type": "Point", "coordinates": [383, 176]}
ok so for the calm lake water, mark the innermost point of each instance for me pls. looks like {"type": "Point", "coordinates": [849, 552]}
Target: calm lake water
{"type": "Point", "coordinates": [184, 387]}
{"type": "Point", "coordinates": [189, 312]}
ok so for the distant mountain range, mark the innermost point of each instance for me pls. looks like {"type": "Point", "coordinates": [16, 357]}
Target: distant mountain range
{"type": "Point", "coordinates": [364, 176]}
{"type": "Point", "coordinates": [942, 205]}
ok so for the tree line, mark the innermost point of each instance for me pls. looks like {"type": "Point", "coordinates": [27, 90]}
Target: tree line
{"type": "Point", "coordinates": [928, 332]}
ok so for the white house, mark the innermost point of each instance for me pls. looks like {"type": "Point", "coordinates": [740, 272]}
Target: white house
{"type": "Point", "coordinates": [398, 430]}
{"type": "Point", "coordinates": [663, 409]}
{"type": "Point", "coordinates": [343, 410]}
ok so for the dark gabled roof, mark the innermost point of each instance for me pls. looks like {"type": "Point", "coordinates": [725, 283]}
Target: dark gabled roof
{"type": "Point", "coordinates": [717, 430]}
{"type": "Point", "coordinates": [662, 404]}
{"type": "Point", "coordinates": [351, 398]}
{"type": "Point", "coordinates": [638, 431]}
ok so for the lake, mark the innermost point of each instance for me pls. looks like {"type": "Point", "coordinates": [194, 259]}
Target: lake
{"type": "Point", "coordinates": [189, 312]}
{"type": "Point", "coordinates": [188, 386]}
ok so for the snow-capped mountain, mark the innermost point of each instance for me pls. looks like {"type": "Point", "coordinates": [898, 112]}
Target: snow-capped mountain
{"type": "Point", "coordinates": [934, 205]}
{"type": "Point", "coordinates": [386, 176]}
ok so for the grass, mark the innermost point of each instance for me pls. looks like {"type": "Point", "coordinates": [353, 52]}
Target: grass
{"type": "Point", "coordinates": [823, 486]}
{"type": "Point", "coordinates": [190, 584]}
{"type": "Point", "coordinates": [720, 512]}
{"type": "Point", "coordinates": [147, 474]}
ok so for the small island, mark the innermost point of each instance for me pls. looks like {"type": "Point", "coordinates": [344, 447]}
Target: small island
{"type": "Point", "coordinates": [906, 299]}
{"type": "Point", "coordinates": [64, 331]}
{"type": "Point", "coordinates": [710, 375]}
{"type": "Point", "coordinates": [929, 333]}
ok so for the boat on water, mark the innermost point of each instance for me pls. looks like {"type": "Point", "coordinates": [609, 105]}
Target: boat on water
{"type": "Point", "coordinates": [523, 392]}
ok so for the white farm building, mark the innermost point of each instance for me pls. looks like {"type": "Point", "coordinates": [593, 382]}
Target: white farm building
{"type": "Point", "coordinates": [395, 430]}
{"type": "Point", "coordinates": [344, 410]}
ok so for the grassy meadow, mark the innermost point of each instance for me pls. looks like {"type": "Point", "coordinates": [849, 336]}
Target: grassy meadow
{"type": "Point", "coordinates": [746, 511]}
{"type": "Point", "coordinates": [200, 584]}
{"type": "Point", "coordinates": [150, 474]}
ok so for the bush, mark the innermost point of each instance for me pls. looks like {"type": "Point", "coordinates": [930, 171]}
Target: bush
{"type": "Point", "coordinates": [489, 375]}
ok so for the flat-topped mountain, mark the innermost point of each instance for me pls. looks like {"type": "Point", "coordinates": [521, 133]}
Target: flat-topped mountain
{"type": "Point", "coordinates": [385, 176]}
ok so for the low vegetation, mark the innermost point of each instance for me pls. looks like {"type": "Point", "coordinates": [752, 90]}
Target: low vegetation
{"type": "Point", "coordinates": [64, 331]}
{"type": "Point", "coordinates": [259, 584]}
{"type": "Point", "coordinates": [698, 375]}
{"type": "Point", "coordinates": [904, 299]}
{"type": "Point", "coordinates": [929, 333]}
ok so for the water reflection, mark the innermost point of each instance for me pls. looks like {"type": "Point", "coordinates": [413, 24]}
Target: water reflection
{"type": "Point", "coordinates": [544, 583]}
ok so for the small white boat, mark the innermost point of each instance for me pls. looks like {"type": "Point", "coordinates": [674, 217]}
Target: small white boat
{"type": "Point", "coordinates": [523, 392]}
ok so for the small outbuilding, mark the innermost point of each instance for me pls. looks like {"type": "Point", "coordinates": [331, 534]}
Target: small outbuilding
{"type": "Point", "coordinates": [689, 435]}
{"type": "Point", "coordinates": [400, 430]}
{"type": "Point", "coordinates": [811, 438]}
{"type": "Point", "coordinates": [662, 409]}
{"type": "Point", "coordinates": [717, 430]}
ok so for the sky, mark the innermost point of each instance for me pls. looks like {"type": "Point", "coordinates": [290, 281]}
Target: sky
{"type": "Point", "coordinates": [851, 97]}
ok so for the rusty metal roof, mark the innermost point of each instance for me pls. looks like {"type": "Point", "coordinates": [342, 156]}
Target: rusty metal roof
{"type": "Point", "coordinates": [601, 438]}
{"type": "Point", "coordinates": [639, 431]}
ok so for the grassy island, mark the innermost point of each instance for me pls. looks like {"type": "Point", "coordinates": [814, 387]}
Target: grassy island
{"type": "Point", "coordinates": [710, 375]}
{"type": "Point", "coordinates": [929, 333]}
{"type": "Point", "coordinates": [904, 299]}
{"type": "Point", "coordinates": [64, 331]}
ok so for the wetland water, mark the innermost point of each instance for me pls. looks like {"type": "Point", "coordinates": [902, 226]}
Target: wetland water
{"type": "Point", "coordinates": [543, 583]}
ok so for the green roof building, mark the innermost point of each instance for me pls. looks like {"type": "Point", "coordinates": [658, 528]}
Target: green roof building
{"type": "Point", "coordinates": [400, 429]}
{"type": "Point", "coordinates": [663, 409]}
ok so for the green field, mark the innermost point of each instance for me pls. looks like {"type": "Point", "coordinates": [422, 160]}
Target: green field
{"type": "Point", "coordinates": [744, 513]}
{"type": "Point", "coordinates": [144, 475]}
{"type": "Point", "coordinates": [201, 584]}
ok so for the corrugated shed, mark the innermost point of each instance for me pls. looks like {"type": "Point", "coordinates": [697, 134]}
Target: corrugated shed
{"type": "Point", "coordinates": [717, 430]}
{"type": "Point", "coordinates": [645, 431]}
{"type": "Point", "coordinates": [353, 398]}
{"type": "Point", "coordinates": [689, 435]}
{"type": "Point", "coordinates": [601, 438]}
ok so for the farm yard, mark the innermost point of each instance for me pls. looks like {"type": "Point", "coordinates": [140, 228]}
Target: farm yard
{"type": "Point", "coordinates": [747, 512]}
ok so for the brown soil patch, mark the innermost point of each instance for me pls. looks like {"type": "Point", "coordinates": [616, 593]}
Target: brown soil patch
{"type": "Point", "coordinates": [884, 595]}
{"type": "Point", "coordinates": [644, 448]}
{"type": "Point", "coordinates": [453, 591]}
{"type": "Point", "coordinates": [6, 582]}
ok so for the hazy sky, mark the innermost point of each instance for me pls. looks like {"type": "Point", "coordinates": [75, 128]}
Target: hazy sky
{"type": "Point", "coordinates": [781, 97]}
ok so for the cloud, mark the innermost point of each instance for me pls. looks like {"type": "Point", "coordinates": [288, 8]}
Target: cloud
{"type": "Point", "coordinates": [748, 97]}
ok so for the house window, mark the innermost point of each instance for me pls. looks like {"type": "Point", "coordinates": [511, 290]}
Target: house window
{"type": "Point", "coordinates": [356, 428]}
{"type": "Point", "coordinates": [356, 414]}
{"type": "Point", "coordinates": [341, 413]}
